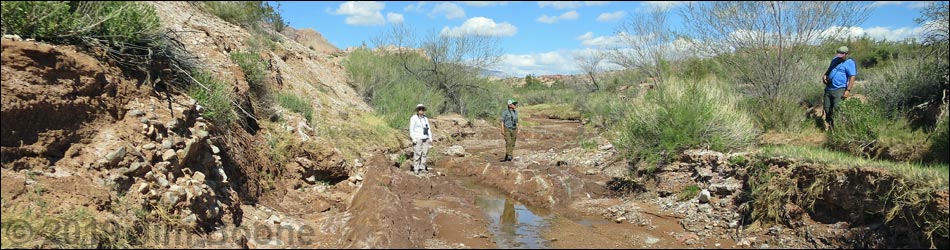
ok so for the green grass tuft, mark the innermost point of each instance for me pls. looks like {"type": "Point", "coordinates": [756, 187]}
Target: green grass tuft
{"type": "Point", "coordinates": [215, 96]}
{"type": "Point", "coordinates": [296, 104]}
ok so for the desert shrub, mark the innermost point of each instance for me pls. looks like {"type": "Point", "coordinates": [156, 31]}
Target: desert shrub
{"type": "Point", "coordinates": [940, 140]}
{"type": "Point", "coordinates": [393, 93]}
{"type": "Point", "coordinates": [247, 13]}
{"type": "Point", "coordinates": [602, 109]}
{"type": "Point", "coordinates": [551, 95]}
{"type": "Point", "coordinates": [488, 101]}
{"type": "Point", "coordinates": [696, 69]}
{"type": "Point", "coordinates": [296, 104]}
{"type": "Point", "coordinates": [38, 19]}
{"type": "Point", "coordinates": [531, 82]}
{"type": "Point", "coordinates": [254, 68]}
{"type": "Point", "coordinates": [688, 192]}
{"type": "Point", "coordinates": [255, 72]}
{"type": "Point", "coordinates": [784, 111]}
{"type": "Point", "coordinates": [904, 83]}
{"type": "Point", "coordinates": [259, 42]}
{"type": "Point", "coordinates": [383, 85]}
{"type": "Point", "coordinates": [679, 115]}
{"type": "Point", "coordinates": [865, 130]}
{"type": "Point", "coordinates": [214, 96]}
{"type": "Point", "coordinates": [68, 21]}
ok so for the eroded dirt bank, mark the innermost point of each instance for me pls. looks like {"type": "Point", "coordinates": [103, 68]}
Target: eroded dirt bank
{"type": "Point", "coordinates": [752, 202]}
{"type": "Point", "coordinates": [82, 139]}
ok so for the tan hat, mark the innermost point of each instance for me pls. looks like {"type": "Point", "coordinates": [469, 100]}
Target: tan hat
{"type": "Point", "coordinates": [420, 106]}
{"type": "Point", "coordinates": [843, 49]}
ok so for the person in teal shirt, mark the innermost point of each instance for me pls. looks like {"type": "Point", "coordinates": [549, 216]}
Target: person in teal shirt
{"type": "Point", "coordinates": [838, 79]}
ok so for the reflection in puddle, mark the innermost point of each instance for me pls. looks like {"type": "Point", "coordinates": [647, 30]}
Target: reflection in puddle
{"type": "Point", "coordinates": [591, 223]}
{"type": "Point", "coordinates": [512, 224]}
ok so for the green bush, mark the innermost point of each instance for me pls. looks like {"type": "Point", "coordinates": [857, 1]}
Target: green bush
{"type": "Point", "coordinates": [696, 69]}
{"type": "Point", "coordinates": [254, 68]}
{"type": "Point", "coordinates": [386, 87]}
{"type": "Point", "coordinates": [680, 115]}
{"type": "Point", "coordinates": [940, 140]}
{"type": "Point", "coordinates": [38, 19]}
{"type": "Point", "coordinates": [785, 112]}
{"type": "Point", "coordinates": [688, 192]}
{"type": "Point", "coordinates": [64, 21]}
{"type": "Point", "coordinates": [780, 114]}
{"type": "Point", "coordinates": [259, 42]}
{"type": "Point", "coordinates": [529, 96]}
{"type": "Point", "coordinates": [602, 109]}
{"type": "Point", "coordinates": [247, 13]}
{"type": "Point", "coordinates": [296, 104]}
{"type": "Point", "coordinates": [393, 93]}
{"type": "Point", "coordinates": [214, 96]}
{"type": "Point", "coordinates": [487, 102]}
{"type": "Point", "coordinates": [865, 130]}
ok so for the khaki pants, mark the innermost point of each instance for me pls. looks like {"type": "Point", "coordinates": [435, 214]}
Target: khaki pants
{"type": "Point", "coordinates": [511, 134]}
{"type": "Point", "coordinates": [420, 150]}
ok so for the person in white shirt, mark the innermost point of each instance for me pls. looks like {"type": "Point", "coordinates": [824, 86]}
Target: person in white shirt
{"type": "Point", "coordinates": [421, 135]}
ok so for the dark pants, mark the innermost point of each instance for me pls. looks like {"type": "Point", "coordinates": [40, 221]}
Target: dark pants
{"type": "Point", "coordinates": [511, 135]}
{"type": "Point", "coordinates": [832, 99]}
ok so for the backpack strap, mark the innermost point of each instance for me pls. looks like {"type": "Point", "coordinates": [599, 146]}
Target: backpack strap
{"type": "Point", "coordinates": [833, 66]}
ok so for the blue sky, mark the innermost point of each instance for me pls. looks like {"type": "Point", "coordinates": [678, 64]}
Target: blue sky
{"type": "Point", "coordinates": [536, 37]}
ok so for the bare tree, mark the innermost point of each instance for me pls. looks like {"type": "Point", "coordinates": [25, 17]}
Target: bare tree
{"type": "Point", "coordinates": [935, 19]}
{"type": "Point", "coordinates": [450, 64]}
{"type": "Point", "coordinates": [644, 40]}
{"type": "Point", "coordinates": [590, 64]}
{"type": "Point", "coordinates": [764, 42]}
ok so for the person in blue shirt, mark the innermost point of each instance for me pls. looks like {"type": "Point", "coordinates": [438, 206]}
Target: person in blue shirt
{"type": "Point", "coordinates": [838, 79]}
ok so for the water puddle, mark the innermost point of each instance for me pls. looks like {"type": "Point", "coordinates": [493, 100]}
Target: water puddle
{"type": "Point", "coordinates": [513, 224]}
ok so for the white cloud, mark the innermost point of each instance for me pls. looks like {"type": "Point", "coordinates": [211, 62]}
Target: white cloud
{"type": "Point", "coordinates": [837, 32]}
{"type": "Point", "coordinates": [560, 4]}
{"type": "Point", "coordinates": [570, 15]}
{"type": "Point", "coordinates": [878, 32]}
{"type": "Point", "coordinates": [664, 5]}
{"type": "Point", "coordinates": [588, 39]}
{"type": "Point", "coordinates": [449, 10]}
{"type": "Point", "coordinates": [611, 16]}
{"type": "Point", "coordinates": [537, 63]}
{"type": "Point", "coordinates": [596, 3]}
{"type": "Point", "coordinates": [918, 4]}
{"type": "Point", "coordinates": [909, 4]}
{"type": "Point", "coordinates": [481, 26]}
{"type": "Point", "coordinates": [393, 17]}
{"type": "Point", "coordinates": [570, 4]}
{"type": "Point", "coordinates": [417, 7]}
{"type": "Point", "coordinates": [546, 63]}
{"type": "Point", "coordinates": [362, 13]}
{"type": "Point", "coordinates": [883, 3]}
{"type": "Point", "coordinates": [484, 3]}
{"type": "Point", "coordinates": [586, 36]}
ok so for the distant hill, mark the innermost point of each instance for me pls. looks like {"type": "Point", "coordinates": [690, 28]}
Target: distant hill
{"type": "Point", "coordinates": [494, 74]}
